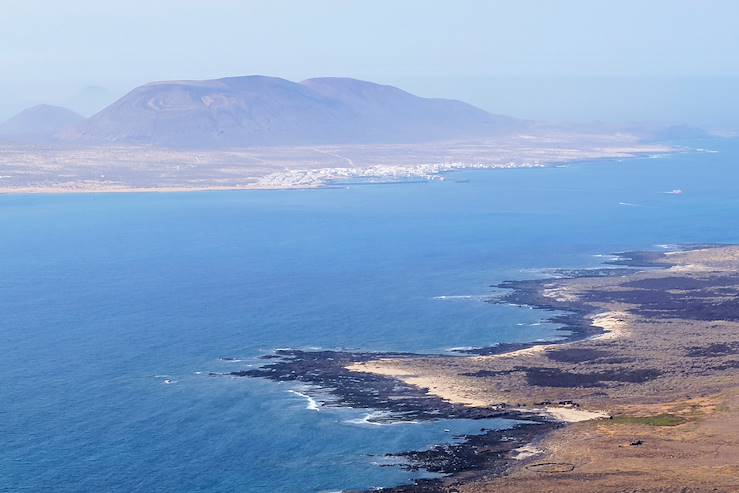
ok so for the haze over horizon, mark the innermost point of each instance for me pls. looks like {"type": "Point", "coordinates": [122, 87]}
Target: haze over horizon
{"type": "Point", "coordinates": [665, 61]}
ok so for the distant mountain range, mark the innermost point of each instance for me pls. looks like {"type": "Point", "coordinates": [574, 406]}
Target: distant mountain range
{"type": "Point", "coordinates": [262, 111]}
{"type": "Point", "coordinates": [39, 123]}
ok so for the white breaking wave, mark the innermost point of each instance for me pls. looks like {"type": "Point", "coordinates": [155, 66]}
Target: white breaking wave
{"type": "Point", "coordinates": [607, 256]}
{"type": "Point", "coordinates": [668, 246]}
{"type": "Point", "coordinates": [367, 420]}
{"type": "Point", "coordinates": [463, 297]}
{"type": "Point", "coordinates": [462, 348]}
{"type": "Point", "coordinates": [312, 404]}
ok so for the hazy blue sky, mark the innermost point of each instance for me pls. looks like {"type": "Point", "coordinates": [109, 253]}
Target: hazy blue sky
{"type": "Point", "coordinates": [579, 59]}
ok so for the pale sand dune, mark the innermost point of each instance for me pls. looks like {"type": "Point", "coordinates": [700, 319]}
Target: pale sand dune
{"type": "Point", "coordinates": [574, 415]}
{"type": "Point", "coordinates": [448, 389]}
{"type": "Point", "coordinates": [614, 323]}
{"type": "Point", "coordinates": [452, 390]}
{"type": "Point", "coordinates": [529, 351]}
{"type": "Point", "coordinates": [526, 451]}
{"type": "Point", "coordinates": [559, 294]}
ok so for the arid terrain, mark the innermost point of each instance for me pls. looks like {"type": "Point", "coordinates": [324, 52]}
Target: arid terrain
{"type": "Point", "coordinates": [652, 401]}
{"type": "Point", "coordinates": [111, 168]}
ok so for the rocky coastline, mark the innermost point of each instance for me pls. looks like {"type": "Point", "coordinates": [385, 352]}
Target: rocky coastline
{"type": "Point", "coordinates": [543, 384]}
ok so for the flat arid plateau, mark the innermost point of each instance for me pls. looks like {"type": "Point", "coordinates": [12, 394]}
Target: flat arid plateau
{"type": "Point", "coordinates": [56, 169]}
{"type": "Point", "coordinates": [642, 394]}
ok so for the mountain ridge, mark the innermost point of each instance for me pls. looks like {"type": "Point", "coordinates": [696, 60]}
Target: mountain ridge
{"type": "Point", "coordinates": [258, 110]}
{"type": "Point", "coordinates": [39, 122]}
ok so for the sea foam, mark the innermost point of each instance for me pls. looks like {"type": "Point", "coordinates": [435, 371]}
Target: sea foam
{"type": "Point", "coordinates": [463, 297]}
{"type": "Point", "coordinates": [312, 404]}
{"type": "Point", "coordinates": [370, 419]}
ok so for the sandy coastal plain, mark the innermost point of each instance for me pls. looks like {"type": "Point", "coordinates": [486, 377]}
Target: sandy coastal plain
{"type": "Point", "coordinates": [50, 169]}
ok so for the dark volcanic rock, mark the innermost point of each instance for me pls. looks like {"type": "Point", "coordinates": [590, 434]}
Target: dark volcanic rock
{"type": "Point", "coordinates": [660, 303]}
{"type": "Point", "coordinates": [683, 283]}
{"type": "Point", "coordinates": [554, 377]}
{"type": "Point", "coordinates": [491, 451]}
{"type": "Point", "coordinates": [639, 259]}
{"type": "Point", "coordinates": [576, 355]}
{"type": "Point", "coordinates": [476, 452]}
{"type": "Point", "coordinates": [327, 370]}
{"type": "Point", "coordinates": [573, 323]}
{"type": "Point", "coordinates": [717, 349]}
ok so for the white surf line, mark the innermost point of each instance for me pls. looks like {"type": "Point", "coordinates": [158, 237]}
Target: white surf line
{"type": "Point", "coordinates": [166, 379]}
{"type": "Point", "coordinates": [312, 404]}
{"type": "Point", "coordinates": [367, 420]}
{"type": "Point", "coordinates": [607, 256]}
{"type": "Point", "coordinates": [463, 297]}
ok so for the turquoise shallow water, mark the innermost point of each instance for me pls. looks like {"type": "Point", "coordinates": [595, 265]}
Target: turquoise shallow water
{"type": "Point", "coordinates": [103, 297]}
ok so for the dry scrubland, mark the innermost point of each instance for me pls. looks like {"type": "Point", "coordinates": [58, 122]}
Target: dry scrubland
{"type": "Point", "coordinates": [39, 169]}
{"type": "Point", "coordinates": [653, 401]}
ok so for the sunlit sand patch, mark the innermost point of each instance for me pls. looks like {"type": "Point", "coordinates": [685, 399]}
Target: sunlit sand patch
{"type": "Point", "coordinates": [526, 451]}
{"type": "Point", "coordinates": [690, 268]}
{"type": "Point", "coordinates": [448, 389]}
{"type": "Point", "coordinates": [529, 351]}
{"type": "Point", "coordinates": [561, 294]}
{"type": "Point", "coordinates": [573, 414]}
{"type": "Point", "coordinates": [614, 323]}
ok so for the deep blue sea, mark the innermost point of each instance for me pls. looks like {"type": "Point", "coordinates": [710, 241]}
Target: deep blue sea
{"type": "Point", "coordinates": [104, 298]}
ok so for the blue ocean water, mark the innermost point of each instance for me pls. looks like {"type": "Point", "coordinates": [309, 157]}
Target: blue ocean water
{"type": "Point", "coordinates": [105, 297]}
